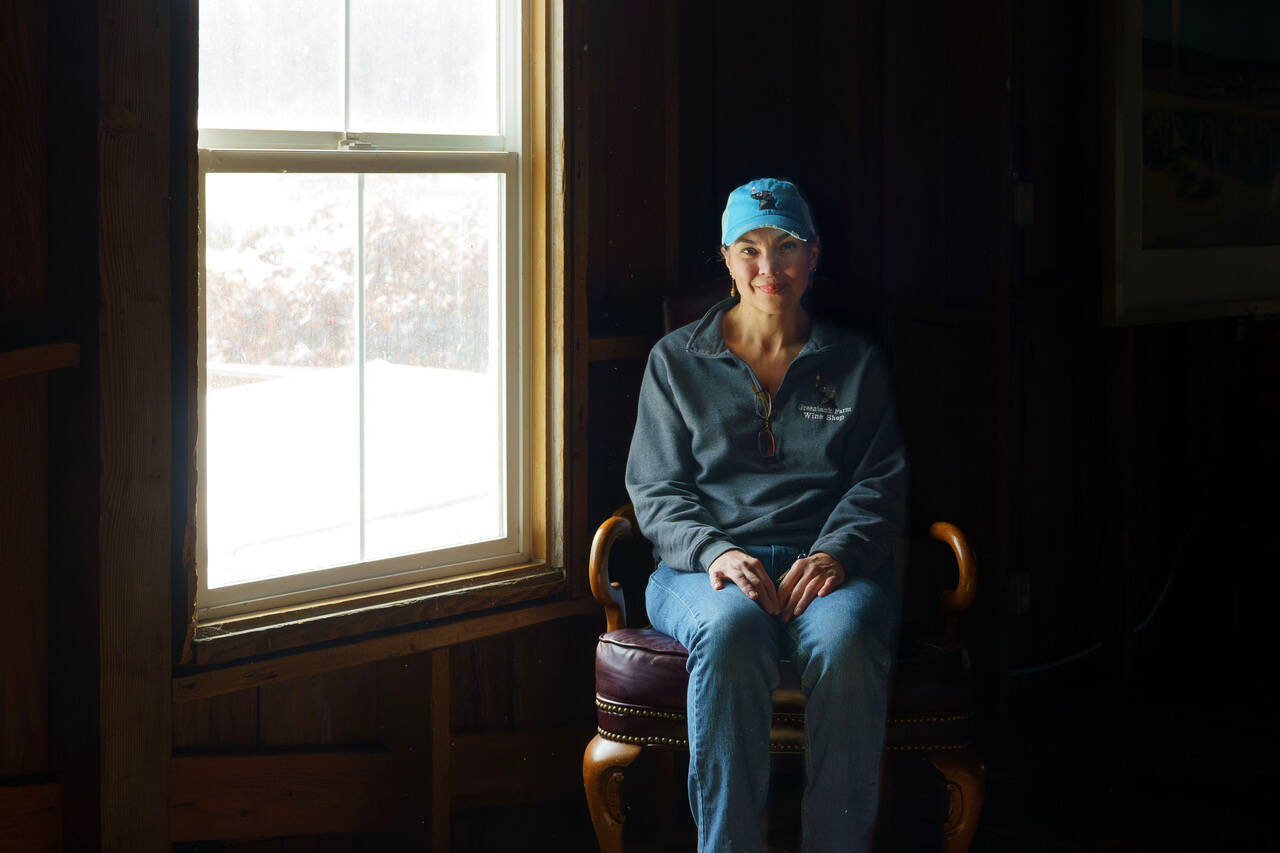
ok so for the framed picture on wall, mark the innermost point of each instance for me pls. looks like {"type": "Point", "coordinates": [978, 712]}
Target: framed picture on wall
{"type": "Point", "coordinates": [1191, 159]}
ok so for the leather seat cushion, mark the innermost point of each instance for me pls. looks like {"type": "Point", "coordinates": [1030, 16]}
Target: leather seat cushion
{"type": "Point", "coordinates": [642, 681]}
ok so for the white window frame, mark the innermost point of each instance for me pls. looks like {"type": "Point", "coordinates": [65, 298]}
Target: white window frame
{"type": "Point", "coordinates": [506, 154]}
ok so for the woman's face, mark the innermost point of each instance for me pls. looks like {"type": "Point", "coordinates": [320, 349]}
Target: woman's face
{"type": "Point", "coordinates": [771, 268]}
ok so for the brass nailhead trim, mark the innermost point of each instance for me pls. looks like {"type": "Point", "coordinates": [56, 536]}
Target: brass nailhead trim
{"type": "Point", "coordinates": [637, 712]}
{"type": "Point", "coordinates": [651, 740]}
{"type": "Point", "coordinates": [643, 741]}
{"type": "Point", "coordinates": [928, 747]}
{"type": "Point", "coordinates": [926, 718]}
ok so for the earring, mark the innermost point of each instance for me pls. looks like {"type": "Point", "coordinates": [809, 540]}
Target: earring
{"type": "Point", "coordinates": [733, 288]}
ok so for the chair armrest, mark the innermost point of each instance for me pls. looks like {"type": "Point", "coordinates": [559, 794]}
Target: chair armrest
{"type": "Point", "coordinates": [620, 525]}
{"type": "Point", "coordinates": [956, 601]}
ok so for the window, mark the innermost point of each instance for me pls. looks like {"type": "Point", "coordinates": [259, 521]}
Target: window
{"type": "Point", "coordinates": [366, 304]}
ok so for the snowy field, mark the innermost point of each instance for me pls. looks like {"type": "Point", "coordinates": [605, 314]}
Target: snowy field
{"type": "Point", "coordinates": [283, 465]}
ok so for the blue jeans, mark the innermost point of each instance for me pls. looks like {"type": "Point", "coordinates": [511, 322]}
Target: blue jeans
{"type": "Point", "coordinates": [840, 646]}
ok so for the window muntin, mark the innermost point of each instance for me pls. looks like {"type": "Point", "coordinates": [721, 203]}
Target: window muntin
{"type": "Point", "coordinates": [350, 437]}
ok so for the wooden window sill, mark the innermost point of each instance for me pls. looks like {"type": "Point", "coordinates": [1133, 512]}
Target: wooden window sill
{"type": "Point", "coordinates": [435, 636]}
{"type": "Point", "coordinates": [348, 617]}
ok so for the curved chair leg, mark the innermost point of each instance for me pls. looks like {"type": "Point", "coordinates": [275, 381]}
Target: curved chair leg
{"type": "Point", "coordinates": [602, 766]}
{"type": "Point", "coordinates": [966, 778]}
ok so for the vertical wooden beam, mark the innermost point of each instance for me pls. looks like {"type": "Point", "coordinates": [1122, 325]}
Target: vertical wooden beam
{"type": "Point", "coordinates": [558, 350]}
{"type": "Point", "coordinates": [441, 765]}
{"type": "Point", "coordinates": [184, 181]}
{"type": "Point", "coordinates": [546, 145]}
{"type": "Point", "coordinates": [135, 423]}
{"type": "Point", "coordinates": [72, 179]}
{"type": "Point", "coordinates": [540, 255]}
{"type": "Point", "coordinates": [578, 63]}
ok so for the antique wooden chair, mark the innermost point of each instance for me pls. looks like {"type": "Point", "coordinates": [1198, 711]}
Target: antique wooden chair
{"type": "Point", "coordinates": [641, 684]}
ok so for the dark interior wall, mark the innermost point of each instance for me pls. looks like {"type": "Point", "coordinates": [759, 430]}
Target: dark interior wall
{"type": "Point", "coordinates": [1197, 543]}
{"type": "Point", "coordinates": [1066, 373]}
{"type": "Point", "coordinates": [944, 250]}
{"type": "Point", "coordinates": [1071, 452]}
{"type": "Point", "coordinates": [1136, 455]}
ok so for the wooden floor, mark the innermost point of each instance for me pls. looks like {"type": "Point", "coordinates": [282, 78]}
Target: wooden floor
{"type": "Point", "coordinates": [1082, 761]}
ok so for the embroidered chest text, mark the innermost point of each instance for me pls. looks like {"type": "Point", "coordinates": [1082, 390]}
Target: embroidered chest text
{"type": "Point", "coordinates": [826, 409]}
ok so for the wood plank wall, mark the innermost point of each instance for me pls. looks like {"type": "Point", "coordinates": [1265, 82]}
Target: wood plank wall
{"type": "Point", "coordinates": [1085, 462]}
{"type": "Point", "coordinates": [28, 798]}
{"type": "Point", "coordinates": [72, 258]}
{"type": "Point", "coordinates": [518, 708]}
{"type": "Point", "coordinates": [135, 411]}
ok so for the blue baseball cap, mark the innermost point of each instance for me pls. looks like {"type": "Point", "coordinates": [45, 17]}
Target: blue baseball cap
{"type": "Point", "coordinates": [766, 203]}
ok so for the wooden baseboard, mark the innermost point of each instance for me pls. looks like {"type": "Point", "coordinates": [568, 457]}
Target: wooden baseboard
{"type": "Point", "coordinates": [31, 817]}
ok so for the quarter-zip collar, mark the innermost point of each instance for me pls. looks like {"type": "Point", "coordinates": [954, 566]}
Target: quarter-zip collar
{"type": "Point", "coordinates": [707, 340]}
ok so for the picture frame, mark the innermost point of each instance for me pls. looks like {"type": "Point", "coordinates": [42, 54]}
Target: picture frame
{"type": "Point", "coordinates": [1187, 232]}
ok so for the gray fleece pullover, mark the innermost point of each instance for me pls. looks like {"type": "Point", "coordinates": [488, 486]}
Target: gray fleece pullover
{"type": "Point", "coordinates": [700, 485]}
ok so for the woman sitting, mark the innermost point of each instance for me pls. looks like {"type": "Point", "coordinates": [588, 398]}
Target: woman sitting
{"type": "Point", "coordinates": [768, 471]}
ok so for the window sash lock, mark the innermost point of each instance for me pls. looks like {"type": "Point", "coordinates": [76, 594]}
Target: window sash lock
{"type": "Point", "coordinates": [353, 142]}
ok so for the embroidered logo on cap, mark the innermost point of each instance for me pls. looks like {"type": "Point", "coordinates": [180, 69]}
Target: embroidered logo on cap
{"type": "Point", "coordinates": [766, 199]}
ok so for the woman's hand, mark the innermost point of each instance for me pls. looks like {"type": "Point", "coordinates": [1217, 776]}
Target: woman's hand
{"type": "Point", "coordinates": [749, 575]}
{"type": "Point", "coordinates": [809, 577]}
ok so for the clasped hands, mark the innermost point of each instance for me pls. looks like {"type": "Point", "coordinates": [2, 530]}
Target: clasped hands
{"type": "Point", "coordinates": [808, 578]}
